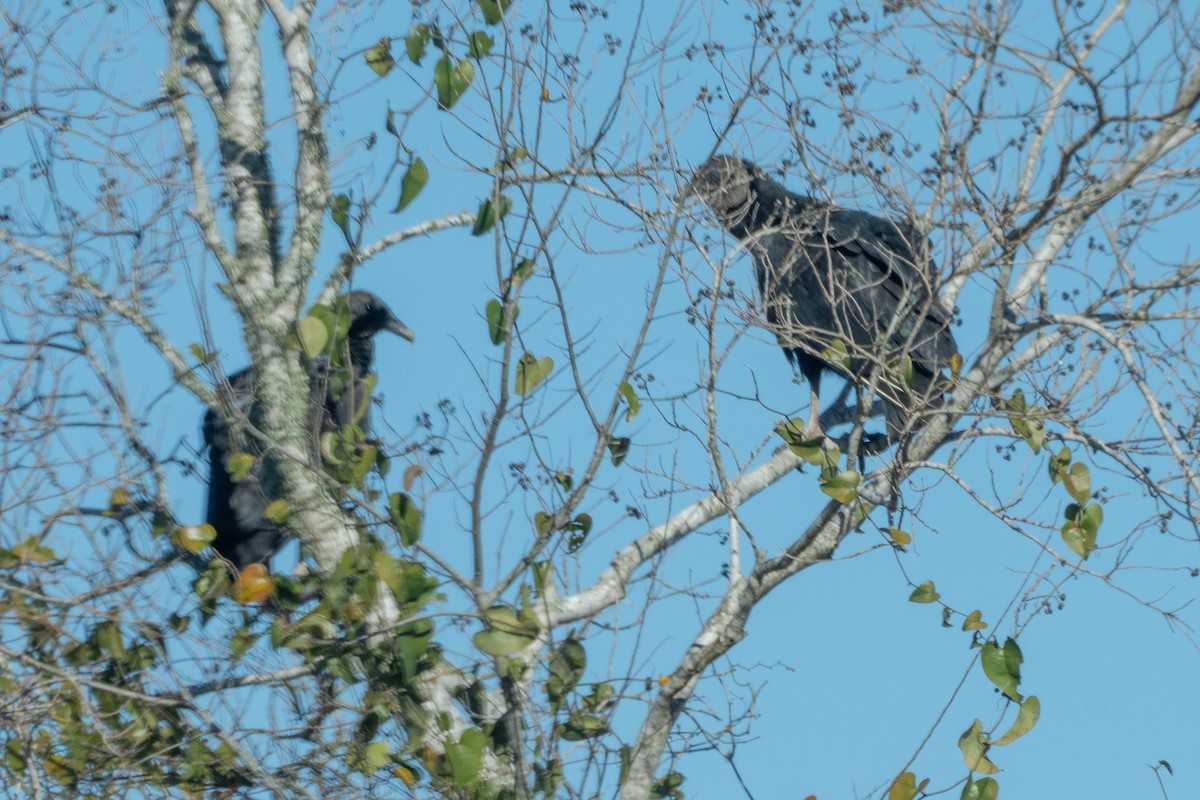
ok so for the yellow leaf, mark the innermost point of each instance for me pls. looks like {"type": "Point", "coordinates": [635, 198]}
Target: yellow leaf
{"type": "Point", "coordinates": [974, 622]}
{"type": "Point", "coordinates": [974, 746]}
{"type": "Point", "coordinates": [253, 585]}
{"type": "Point", "coordinates": [406, 776]}
{"type": "Point", "coordinates": [117, 500]}
{"type": "Point", "coordinates": [1027, 717]}
{"type": "Point", "coordinates": [905, 787]}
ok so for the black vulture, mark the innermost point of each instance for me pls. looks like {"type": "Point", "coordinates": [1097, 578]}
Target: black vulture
{"type": "Point", "coordinates": [237, 509]}
{"type": "Point", "coordinates": [842, 289]}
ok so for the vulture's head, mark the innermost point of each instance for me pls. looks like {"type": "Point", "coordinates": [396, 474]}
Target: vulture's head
{"type": "Point", "coordinates": [725, 184]}
{"type": "Point", "coordinates": [370, 315]}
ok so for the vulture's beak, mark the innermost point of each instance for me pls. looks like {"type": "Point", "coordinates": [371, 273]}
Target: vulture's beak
{"type": "Point", "coordinates": [400, 329]}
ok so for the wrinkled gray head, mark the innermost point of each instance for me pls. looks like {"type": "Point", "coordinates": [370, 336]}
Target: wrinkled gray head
{"type": "Point", "coordinates": [724, 184]}
{"type": "Point", "coordinates": [371, 315]}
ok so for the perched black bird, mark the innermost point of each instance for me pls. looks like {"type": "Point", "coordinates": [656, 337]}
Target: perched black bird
{"type": "Point", "coordinates": [236, 510]}
{"type": "Point", "coordinates": [838, 285]}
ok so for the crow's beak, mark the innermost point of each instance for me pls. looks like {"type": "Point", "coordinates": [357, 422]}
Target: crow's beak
{"type": "Point", "coordinates": [400, 329]}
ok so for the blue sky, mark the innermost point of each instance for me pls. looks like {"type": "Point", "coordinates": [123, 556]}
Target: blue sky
{"type": "Point", "coordinates": [847, 676]}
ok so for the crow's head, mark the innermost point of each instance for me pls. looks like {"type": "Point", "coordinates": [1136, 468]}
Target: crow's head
{"type": "Point", "coordinates": [726, 185]}
{"type": "Point", "coordinates": [370, 315]}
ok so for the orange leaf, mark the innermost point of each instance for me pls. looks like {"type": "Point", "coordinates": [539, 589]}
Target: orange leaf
{"type": "Point", "coordinates": [253, 585]}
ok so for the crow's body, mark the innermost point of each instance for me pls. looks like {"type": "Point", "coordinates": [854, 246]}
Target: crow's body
{"type": "Point", "coordinates": [832, 277]}
{"type": "Point", "coordinates": [237, 510]}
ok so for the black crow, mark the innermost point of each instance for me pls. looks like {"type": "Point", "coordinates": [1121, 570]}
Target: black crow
{"type": "Point", "coordinates": [842, 289]}
{"type": "Point", "coordinates": [236, 510]}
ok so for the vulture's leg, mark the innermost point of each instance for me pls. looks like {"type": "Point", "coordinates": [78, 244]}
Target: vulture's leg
{"type": "Point", "coordinates": [813, 429]}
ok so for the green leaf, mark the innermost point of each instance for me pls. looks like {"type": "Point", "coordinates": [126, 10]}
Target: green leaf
{"type": "Point", "coordinates": [205, 357]}
{"type": "Point", "coordinates": [837, 354]}
{"type": "Point", "coordinates": [1002, 666]}
{"type": "Point", "coordinates": [1078, 482]}
{"type": "Point", "coordinates": [511, 158]}
{"type": "Point", "coordinates": [526, 614]}
{"type": "Point", "coordinates": [577, 530]}
{"type": "Point", "coordinates": [415, 43]}
{"type": "Point", "coordinates": [494, 312]}
{"type": "Point", "coordinates": [1081, 526]}
{"type": "Point", "coordinates": [982, 789]}
{"type": "Point", "coordinates": [379, 58]}
{"type": "Point", "coordinates": [522, 272]}
{"type": "Point", "coordinates": [1091, 518]}
{"type": "Point", "coordinates": [925, 593]}
{"type": "Point", "coordinates": [412, 643]}
{"type": "Point", "coordinates": [542, 522]}
{"type": "Point", "coordinates": [667, 787]}
{"type": "Point", "coordinates": [489, 214]}
{"type": "Point", "coordinates": [493, 10]}
{"type": "Point", "coordinates": [1036, 436]}
{"type": "Point", "coordinates": [336, 320]}
{"type": "Point", "coordinates": [499, 643]}
{"type": "Point", "coordinates": [414, 180]}
{"type": "Point", "coordinates": [193, 538]}
{"type": "Point", "coordinates": [405, 517]}
{"type": "Point", "coordinates": [904, 369]}
{"type": "Point", "coordinates": [974, 746]}
{"type": "Point", "coordinates": [370, 758]}
{"type": "Point", "coordinates": [602, 697]}
{"type": "Point", "coordinates": [542, 571]}
{"type": "Point", "coordinates": [1026, 421]}
{"type": "Point", "coordinates": [451, 79]}
{"type": "Point", "coordinates": [1057, 464]}
{"type": "Point", "coordinates": [1078, 540]}
{"type": "Point", "coordinates": [313, 336]}
{"type": "Point", "coordinates": [211, 583]}
{"type": "Point", "coordinates": [1027, 717]}
{"type": "Point", "coordinates": [466, 756]}
{"type": "Point", "coordinates": [792, 431]}
{"type": "Point", "coordinates": [898, 537]}
{"type": "Point", "coordinates": [582, 726]}
{"type": "Point", "coordinates": [811, 450]}
{"type": "Point", "coordinates": [631, 400]}
{"type": "Point", "coordinates": [974, 622]}
{"type": "Point", "coordinates": [566, 668]}
{"type": "Point", "coordinates": [842, 487]}
{"type": "Point", "coordinates": [30, 551]}
{"type": "Point", "coordinates": [506, 633]}
{"type": "Point", "coordinates": [241, 641]}
{"type": "Point", "coordinates": [238, 466]}
{"type": "Point", "coordinates": [618, 449]}
{"type": "Point", "coordinates": [340, 211]}
{"type": "Point", "coordinates": [277, 511]}
{"type": "Point", "coordinates": [531, 371]}
{"type": "Point", "coordinates": [479, 44]}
